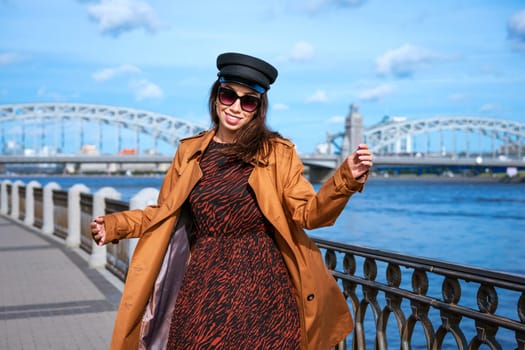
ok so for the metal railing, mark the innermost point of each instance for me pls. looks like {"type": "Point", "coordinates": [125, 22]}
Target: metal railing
{"type": "Point", "coordinates": [397, 301]}
{"type": "Point", "coordinates": [425, 303]}
{"type": "Point", "coordinates": [39, 207]}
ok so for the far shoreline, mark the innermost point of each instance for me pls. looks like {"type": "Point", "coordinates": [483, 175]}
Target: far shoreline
{"type": "Point", "coordinates": [519, 179]}
{"type": "Point", "coordinates": [458, 178]}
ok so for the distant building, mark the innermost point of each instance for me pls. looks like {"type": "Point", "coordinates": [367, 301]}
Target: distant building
{"type": "Point", "coordinates": [91, 150]}
{"type": "Point", "coordinates": [127, 152]}
{"type": "Point", "coordinates": [11, 147]}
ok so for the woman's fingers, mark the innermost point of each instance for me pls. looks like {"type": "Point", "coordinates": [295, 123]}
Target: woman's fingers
{"type": "Point", "coordinates": [97, 230]}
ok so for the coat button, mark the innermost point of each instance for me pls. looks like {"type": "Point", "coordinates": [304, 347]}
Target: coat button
{"type": "Point", "coordinates": [310, 297]}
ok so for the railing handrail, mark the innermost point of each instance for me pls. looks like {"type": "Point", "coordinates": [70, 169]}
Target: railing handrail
{"type": "Point", "coordinates": [475, 274]}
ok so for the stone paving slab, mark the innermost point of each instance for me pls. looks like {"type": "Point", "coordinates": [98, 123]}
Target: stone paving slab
{"type": "Point", "coordinates": [49, 297]}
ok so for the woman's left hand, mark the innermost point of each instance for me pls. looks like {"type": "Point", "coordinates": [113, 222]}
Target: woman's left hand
{"type": "Point", "coordinates": [360, 161]}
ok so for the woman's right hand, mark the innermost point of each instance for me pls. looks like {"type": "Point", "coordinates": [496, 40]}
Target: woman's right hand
{"type": "Point", "coordinates": [98, 231]}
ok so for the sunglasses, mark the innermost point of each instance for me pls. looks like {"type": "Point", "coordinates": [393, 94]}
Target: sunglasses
{"type": "Point", "coordinates": [228, 96]}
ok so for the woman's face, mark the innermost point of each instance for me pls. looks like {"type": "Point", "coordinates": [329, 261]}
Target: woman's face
{"type": "Point", "coordinates": [234, 117]}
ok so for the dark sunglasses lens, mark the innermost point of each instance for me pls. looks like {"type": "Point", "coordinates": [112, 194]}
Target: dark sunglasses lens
{"type": "Point", "coordinates": [227, 96]}
{"type": "Point", "coordinates": [249, 103]}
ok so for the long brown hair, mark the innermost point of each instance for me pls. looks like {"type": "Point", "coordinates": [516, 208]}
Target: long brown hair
{"type": "Point", "coordinates": [252, 141]}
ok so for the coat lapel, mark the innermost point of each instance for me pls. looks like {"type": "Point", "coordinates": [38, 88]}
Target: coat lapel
{"type": "Point", "coordinates": [188, 174]}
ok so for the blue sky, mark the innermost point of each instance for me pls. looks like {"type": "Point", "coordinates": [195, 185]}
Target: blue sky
{"type": "Point", "coordinates": [399, 57]}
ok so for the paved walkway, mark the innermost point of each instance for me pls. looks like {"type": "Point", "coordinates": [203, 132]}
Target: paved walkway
{"type": "Point", "coordinates": [49, 297]}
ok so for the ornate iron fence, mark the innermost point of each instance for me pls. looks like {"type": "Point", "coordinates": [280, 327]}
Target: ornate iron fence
{"type": "Point", "coordinates": [444, 306]}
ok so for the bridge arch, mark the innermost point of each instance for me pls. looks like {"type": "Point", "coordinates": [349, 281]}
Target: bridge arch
{"type": "Point", "coordinates": [385, 134]}
{"type": "Point", "coordinates": [155, 125]}
{"type": "Point", "coordinates": [389, 136]}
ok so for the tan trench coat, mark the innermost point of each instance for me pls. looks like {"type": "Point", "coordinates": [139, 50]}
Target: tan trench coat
{"type": "Point", "coordinates": [290, 204]}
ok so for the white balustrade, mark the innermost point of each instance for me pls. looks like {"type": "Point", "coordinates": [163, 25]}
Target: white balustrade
{"type": "Point", "coordinates": [15, 199]}
{"type": "Point", "coordinates": [4, 205]}
{"type": "Point", "coordinates": [48, 226]}
{"type": "Point", "coordinates": [30, 202]}
{"type": "Point", "coordinates": [74, 214]}
{"type": "Point", "coordinates": [98, 258]}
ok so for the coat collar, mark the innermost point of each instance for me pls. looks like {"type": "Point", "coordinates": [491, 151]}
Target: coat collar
{"type": "Point", "coordinates": [196, 149]}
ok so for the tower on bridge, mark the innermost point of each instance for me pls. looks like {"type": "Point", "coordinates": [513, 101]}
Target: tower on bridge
{"type": "Point", "coordinates": [353, 135]}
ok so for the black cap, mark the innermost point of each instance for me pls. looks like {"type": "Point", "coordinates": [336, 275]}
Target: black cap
{"type": "Point", "coordinates": [247, 70]}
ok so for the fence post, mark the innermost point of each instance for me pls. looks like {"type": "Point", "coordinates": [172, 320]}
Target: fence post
{"type": "Point", "coordinates": [98, 253]}
{"type": "Point", "coordinates": [48, 219]}
{"type": "Point", "coordinates": [145, 197]}
{"type": "Point", "coordinates": [4, 205]}
{"type": "Point", "coordinates": [15, 200]}
{"type": "Point", "coordinates": [30, 202]}
{"type": "Point", "coordinates": [73, 215]}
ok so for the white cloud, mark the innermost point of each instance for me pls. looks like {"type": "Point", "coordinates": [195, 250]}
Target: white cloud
{"type": "Point", "coordinates": [318, 97]}
{"type": "Point", "coordinates": [491, 71]}
{"type": "Point", "coordinates": [349, 2]}
{"type": "Point", "coordinates": [280, 107]}
{"type": "Point", "coordinates": [302, 51]}
{"type": "Point", "coordinates": [405, 60]}
{"type": "Point", "coordinates": [144, 89]}
{"type": "Point", "coordinates": [117, 16]}
{"type": "Point", "coordinates": [315, 6]}
{"type": "Point", "coordinates": [457, 97]}
{"type": "Point", "coordinates": [336, 119]}
{"type": "Point", "coordinates": [43, 92]}
{"type": "Point", "coordinates": [376, 93]}
{"type": "Point", "coordinates": [488, 108]}
{"type": "Point", "coordinates": [516, 29]}
{"type": "Point", "coordinates": [109, 73]}
{"type": "Point", "coordinates": [9, 58]}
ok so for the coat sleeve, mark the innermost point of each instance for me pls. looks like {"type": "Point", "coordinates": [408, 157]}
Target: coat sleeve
{"type": "Point", "coordinates": [131, 223]}
{"type": "Point", "coordinates": [309, 209]}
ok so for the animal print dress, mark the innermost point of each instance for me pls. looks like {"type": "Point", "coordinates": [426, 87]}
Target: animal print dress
{"type": "Point", "coordinates": [236, 292]}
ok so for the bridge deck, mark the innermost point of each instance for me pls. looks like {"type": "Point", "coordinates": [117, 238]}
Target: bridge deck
{"type": "Point", "coordinates": [50, 298]}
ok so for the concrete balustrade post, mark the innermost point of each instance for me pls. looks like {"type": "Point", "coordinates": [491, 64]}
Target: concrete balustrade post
{"type": "Point", "coordinates": [48, 225]}
{"type": "Point", "coordinates": [30, 202]}
{"type": "Point", "coordinates": [145, 197]}
{"type": "Point", "coordinates": [74, 214]}
{"type": "Point", "coordinates": [15, 199]}
{"type": "Point", "coordinates": [98, 253]}
{"type": "Point", "coordinates": [4, 204]}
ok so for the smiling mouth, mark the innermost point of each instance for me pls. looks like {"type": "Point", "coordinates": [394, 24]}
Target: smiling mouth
{"type": "Point", "coordinates": [232, 119]}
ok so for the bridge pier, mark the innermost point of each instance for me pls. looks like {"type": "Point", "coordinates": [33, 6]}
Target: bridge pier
{"type": "Point", "coordinates": [318, 175]}
{"type": "Point", "coordinates": [353, 134]}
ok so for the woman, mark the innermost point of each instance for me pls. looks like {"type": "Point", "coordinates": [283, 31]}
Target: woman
{"type": "Point", "coordinates": [223, 261]}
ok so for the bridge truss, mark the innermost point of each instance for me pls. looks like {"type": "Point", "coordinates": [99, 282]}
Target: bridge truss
{"type": "Point", "coordinates": [456, 134]}
{"type": "Point", "coordinates": [84, 117]}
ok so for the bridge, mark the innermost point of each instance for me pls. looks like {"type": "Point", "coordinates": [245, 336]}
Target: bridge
{"type": "Point", "coordinates": [53, 127]}
{"type": "Point", "coordinates": [75, 135]}
{"type": "Point", "coordinates": [446, 141]}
